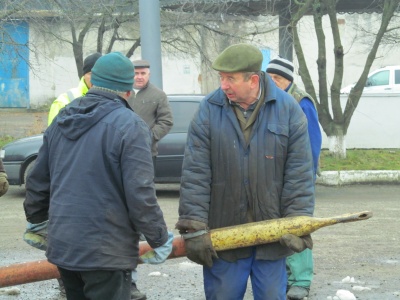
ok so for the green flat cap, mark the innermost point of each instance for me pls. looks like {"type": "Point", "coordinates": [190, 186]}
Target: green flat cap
{"type": "Point", "coordinates": [239, 58]}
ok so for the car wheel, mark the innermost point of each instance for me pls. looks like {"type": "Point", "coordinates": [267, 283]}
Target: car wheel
{"type": "Point", "coordinates": [28, 169]}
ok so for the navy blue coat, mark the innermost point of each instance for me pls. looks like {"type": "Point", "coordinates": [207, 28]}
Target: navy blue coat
{"type": "Point", "coordinates": [272, 174]}
{"type": "Point", "coordinates": [93, 180]}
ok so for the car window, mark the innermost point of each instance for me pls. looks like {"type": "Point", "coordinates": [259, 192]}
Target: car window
{"type": "Point", "coordinates": [380, 78]}
{"type": "Point", "coordinates": [182, 113]}
{"type": "Point", "coordinates": [396, 76]}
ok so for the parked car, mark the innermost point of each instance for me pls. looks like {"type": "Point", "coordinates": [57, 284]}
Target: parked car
{"type": "Point", "coordinates": [19, 156]}
{"type": "Point", "coordinates": [383, 80]}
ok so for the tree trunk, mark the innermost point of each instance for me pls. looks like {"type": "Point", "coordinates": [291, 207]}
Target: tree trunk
{"type": "Point", "coordinates": [337, 145]}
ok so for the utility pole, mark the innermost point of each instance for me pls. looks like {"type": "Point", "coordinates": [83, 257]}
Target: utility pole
{"type": "Point", "coordinates": [150, 38]}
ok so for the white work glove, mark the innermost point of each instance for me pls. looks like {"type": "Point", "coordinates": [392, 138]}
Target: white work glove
{"type": "Point", "coordinates": [159, 254]}
{"type": "Point", "coordinates": [36, 235]}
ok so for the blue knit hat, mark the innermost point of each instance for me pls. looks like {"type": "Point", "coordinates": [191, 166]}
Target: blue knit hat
{"type": "Point", "coordinates": [113, 71]}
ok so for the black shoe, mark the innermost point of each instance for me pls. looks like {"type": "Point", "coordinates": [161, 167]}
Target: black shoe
{"type": "Point", "coordinates": [61, 287]}
{"type": "Point", "coordinates": [297, 292]}
{"type": "Point", "coordinates": [136, 294]}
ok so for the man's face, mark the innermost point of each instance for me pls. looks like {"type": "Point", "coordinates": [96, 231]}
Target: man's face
{"type": "Point", "coordinates": [281, 82]}
{"type": "Point", "coordinates": [87, 78]}
{"type": "Point", "coordinates": [236, 88]}
{"type": "Point", "coordinates": [142, 76]}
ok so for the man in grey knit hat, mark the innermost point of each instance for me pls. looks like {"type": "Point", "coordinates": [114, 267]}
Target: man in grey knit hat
{"type": "Point", "coordinates": [300, 266]}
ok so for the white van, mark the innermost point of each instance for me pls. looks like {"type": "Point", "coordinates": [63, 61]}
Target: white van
{"type": "Point", "coordinates": [383, 80]}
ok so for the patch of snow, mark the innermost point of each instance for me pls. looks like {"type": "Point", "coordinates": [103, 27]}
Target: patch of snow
{"type": "Point", "coordinates": [361, 288]}
{"type": "Point", "coordinates": [345, 295]}
{"type": "Point", "coordinates": [155, 274]}
{"type": "Point", "coordinates": [188, 265]}
{"type": "Point", "coordinates": [348, 279]}
{"type": "Point", "coordinates": [392, 261]}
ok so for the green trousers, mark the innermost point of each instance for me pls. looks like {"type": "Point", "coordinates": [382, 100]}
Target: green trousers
{"type": "Point", "coordinates": [300, 269]}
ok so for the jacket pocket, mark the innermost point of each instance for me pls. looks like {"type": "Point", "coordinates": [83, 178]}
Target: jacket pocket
{"type": "Point", "coordinates": [276, 140]}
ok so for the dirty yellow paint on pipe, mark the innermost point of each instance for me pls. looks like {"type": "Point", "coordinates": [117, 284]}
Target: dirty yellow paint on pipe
{"type": "Point", "coordinates": [270, 231]}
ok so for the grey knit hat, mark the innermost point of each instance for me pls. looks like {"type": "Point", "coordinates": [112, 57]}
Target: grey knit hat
{"type": "Point", "coordinates": [281, 67]}
{"type": "Point", "coordinates": [113, 71]}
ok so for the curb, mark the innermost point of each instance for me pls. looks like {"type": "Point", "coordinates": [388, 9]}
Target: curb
{"type": "Point", "coordinates": [337, 178]}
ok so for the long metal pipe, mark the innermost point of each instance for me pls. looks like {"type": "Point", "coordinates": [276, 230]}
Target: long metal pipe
{"type": "Point", "coordinates": [43, 270]}
{"type": "Point", "coordinates": [245, 235]}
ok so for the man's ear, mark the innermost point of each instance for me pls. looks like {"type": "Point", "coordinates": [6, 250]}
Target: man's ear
{"type": "Point", "coordinates": [255, 80]}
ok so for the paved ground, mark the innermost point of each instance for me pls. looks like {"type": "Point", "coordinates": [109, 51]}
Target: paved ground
{"type": "Point", "coordinates": [365, 252]}
{"type": "Point", "coordinates": [362, 258]}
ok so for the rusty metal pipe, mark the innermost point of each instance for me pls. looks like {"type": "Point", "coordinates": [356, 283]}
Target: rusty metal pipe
{"type": "Point", "coordinates": [43, 270]}
{"type": "Point", "coordinates": [245, 235]}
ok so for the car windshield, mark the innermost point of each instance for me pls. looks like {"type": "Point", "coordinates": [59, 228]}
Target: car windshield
{"type": "Point", "coordinates": [380, 78]}
{"type": "Point", "coordinates": [181, 112]}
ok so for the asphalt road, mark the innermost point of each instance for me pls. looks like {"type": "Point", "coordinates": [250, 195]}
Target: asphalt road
{"type": "Point", "coordinates": [366, 252]}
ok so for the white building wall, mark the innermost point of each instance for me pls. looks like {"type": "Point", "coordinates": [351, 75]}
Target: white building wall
{"type": "Point", "coordinates": [375, 123]}
{"type": "Point", "coordinates": [180, 76]}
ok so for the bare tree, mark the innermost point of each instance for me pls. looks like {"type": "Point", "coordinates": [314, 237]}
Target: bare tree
{"type": "Point", "coordinates": [86, 18]}
{"type": "Point", "coordinates": [117, 21]}
{"type": "Point", "coordinates": [334, 124]}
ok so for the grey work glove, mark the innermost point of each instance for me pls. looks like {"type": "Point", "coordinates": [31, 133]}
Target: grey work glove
{"type": "Point", "coordinates": [160, 254]}
{"type": "Point", "coordinates": [36, 235]}
{"type": "Point", "coordinates": [3, 183]}
{"type": "Point", "coordinates": [295, 243]}
{"type": "Point", "coordinates": [198, 245]}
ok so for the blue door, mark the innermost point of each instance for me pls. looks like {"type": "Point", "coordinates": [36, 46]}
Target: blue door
{"type": "Point", "coordinates": [14, 72]}
{"type": "Point", "coordinates": [266, 58]}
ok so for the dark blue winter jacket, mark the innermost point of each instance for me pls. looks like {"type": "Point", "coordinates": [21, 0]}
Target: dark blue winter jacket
{"type": "Point", "coordinates": [271, 176]}
{"type": "Point", "coordinates": [93, 180]}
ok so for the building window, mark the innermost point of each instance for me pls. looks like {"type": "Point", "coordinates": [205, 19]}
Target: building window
{"type": "Point", "coordinates": [186, 69]}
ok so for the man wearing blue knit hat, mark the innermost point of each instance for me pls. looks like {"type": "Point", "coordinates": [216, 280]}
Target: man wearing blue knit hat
{"type": "Point", "coordinates": [82, 201]}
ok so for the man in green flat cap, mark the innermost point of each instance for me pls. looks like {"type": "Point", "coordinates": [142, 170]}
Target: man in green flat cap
{"type": "Point", "coordinates": [247, 159]}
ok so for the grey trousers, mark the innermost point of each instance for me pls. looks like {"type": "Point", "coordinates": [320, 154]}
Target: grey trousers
{"type": "Point", "coordinates": [99, 285]}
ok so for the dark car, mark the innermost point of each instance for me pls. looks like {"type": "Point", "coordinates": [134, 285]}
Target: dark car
{"type": "Point", "coordinates": [20, 155]}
